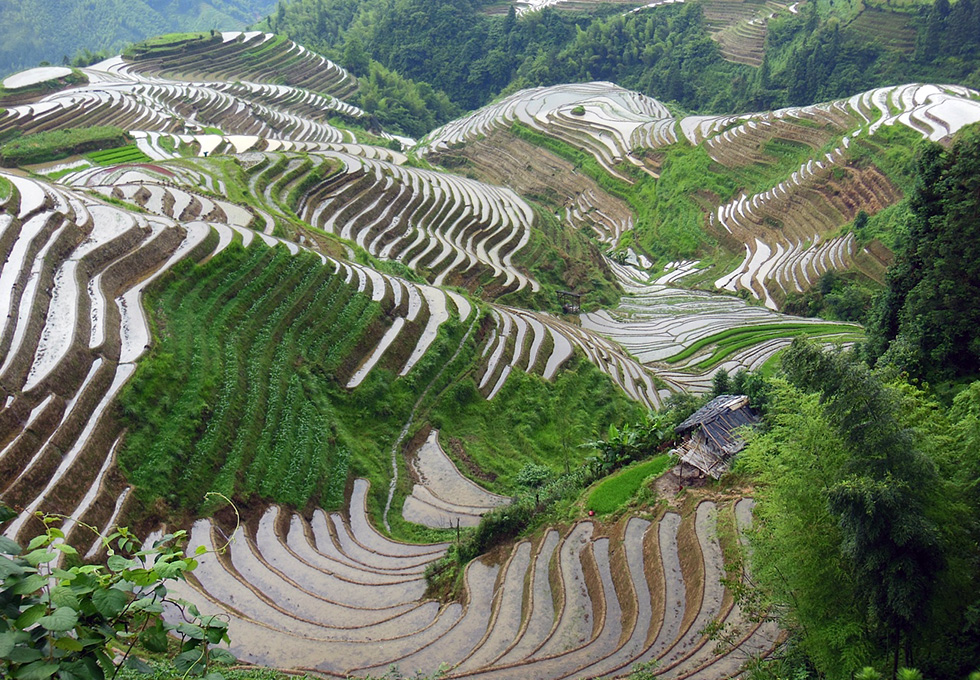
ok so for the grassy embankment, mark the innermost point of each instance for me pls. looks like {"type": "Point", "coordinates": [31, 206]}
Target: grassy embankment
{"type": "Point", "coordinates": [613, 492]}
{"type": "Point", "coordinates": [57, 144]}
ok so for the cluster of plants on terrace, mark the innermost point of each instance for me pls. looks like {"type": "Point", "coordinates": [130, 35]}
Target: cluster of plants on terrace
{"type": "Point", "coordinates": [57, 144]}
{"type": "Point", "coordinates": [845, 296]}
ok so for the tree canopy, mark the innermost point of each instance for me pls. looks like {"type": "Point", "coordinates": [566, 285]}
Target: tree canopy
{"type": "Point", "coordinates": [926, 321]}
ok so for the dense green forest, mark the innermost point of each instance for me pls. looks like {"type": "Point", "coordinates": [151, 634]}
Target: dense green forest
{"type": "Point", "coordinates": [458, 49]}
{"type": "Point", "coordinates": [55, 30]}
{"type": "Point", "coordinates": [868, 520]}
{"type": "Point", "coordinates": [925, 324]}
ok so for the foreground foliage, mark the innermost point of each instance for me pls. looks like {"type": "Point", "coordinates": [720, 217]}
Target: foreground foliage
{"type": "Point", "coordinates": [866, 540]}
{"type": "Point", "coordinates": [60, 619]}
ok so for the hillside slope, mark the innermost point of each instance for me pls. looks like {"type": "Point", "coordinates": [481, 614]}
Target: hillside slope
{"type": "Point", "coordinates": [265, 295]}
{"type": "Point", "coordinates": [50, 30]}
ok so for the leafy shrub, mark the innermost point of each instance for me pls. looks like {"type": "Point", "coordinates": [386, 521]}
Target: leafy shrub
{"type": "Point", "coordinates": [71, 621]}
{"type": "Point", "coordinates": [532, 476]}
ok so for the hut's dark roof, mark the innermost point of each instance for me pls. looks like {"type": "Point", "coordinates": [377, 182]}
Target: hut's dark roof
{"type": "Point", "coordinates": [719, 419]}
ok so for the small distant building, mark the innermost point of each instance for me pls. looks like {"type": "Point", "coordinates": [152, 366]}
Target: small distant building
{"type": "Point", "coordinates": [571, 303]}
{"type": "Point", "coordinates": [710, 438]}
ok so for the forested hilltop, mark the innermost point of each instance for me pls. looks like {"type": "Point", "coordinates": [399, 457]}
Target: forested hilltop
{"type": "Point", "coordinates": [59, 30]}
{"type": "Point", "coordinates": [473, 51]}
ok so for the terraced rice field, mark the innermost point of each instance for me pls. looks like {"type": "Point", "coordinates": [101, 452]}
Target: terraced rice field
{"type": "Point", "coordinates": [739, 27]}
{"type": "Point", "coordinates": [235, 359]}
{"type": "Point", "coordinates": [504, 159]}
{"type": "Point", "coordinates": [685, 337]}
{"type": "Point", "coordinates": [892, 29]}
{"type": "Point", "coordinates": [235, 56]}
{"type": "Point", "coordinates": [195, 96]}
{"type": "Point", "coordinates": [441, 496]}
{"type": "Point", "coordinates": [790, 231]}
{"type": "Point", "coordinates": [124, 154]}
{"type": "Point", "coordinates": [71, 285]}
{"type": "Point", "coordinates": [632, 592]}
{"type": "Point", "coordinates": [69, 353]}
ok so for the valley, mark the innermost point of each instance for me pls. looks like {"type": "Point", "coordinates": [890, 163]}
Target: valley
{"type": "Point", "coordinates": [247, 309]}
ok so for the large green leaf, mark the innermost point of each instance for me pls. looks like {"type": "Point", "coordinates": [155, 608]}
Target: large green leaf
{"type": "Point", "coordinates": [40, 556]}
{"type": "Point", "coordinates": [6, 513]}
{"type": "Point", "coordinates": [8, 546]}
{"type": "Point", "coordinates": [190, 630]}
{"type": "Point", "coordinates": [118, 563]}
{"type": "Point", "coordinates": [63, 596]}
{"type": "Point", "coordinates": [190, 662]}
{"type": "Point", "coordinates": [32, 583]}
{"type": "Point", "coordinates": [222, 656]}
{"type": "Point", "coordinates": [30, 616]}
{"type": "Point", "coordinates": [155, 639]}
{"type": "Point", "coordinates": [37, 542]}
{"type": "Point", "coordinates": [25, 655]}
{"type": "Point", "coordinates": [110, 602]}
{"type": "Point", "coordinates": [8, 641]}
{"type": "Point", "coordinates": [39, 670]}
{"type": "Point", "coordinates": [138, 665]}
{"type": "Point", "coordinates": [9, 568]}
{"type": "Point", "coordinates": [69, 644]}
{"type": "Point", "coordinates": [60, 620]}
{"type": "Point", "coordinates": [84, 669]}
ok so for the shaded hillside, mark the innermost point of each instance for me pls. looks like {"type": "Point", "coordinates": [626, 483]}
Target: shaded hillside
{"type": "Point", "coordinates": [52, 30]}
{"type": "Point", "coordinates": [711, 56]}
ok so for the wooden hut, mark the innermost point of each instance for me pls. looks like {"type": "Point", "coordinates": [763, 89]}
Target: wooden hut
{"type": "Point", "coordinates": [710, 437]}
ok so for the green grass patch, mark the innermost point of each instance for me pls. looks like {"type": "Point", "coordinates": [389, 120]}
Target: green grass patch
{"type": "Point", "coordinates": [170, 42]}
{"type": "Point", "coordinates": [123, 154]}
{"type": "Point", "coordinates": [58, 144]}
{"type": "Point", "coordinates": [531, 421]}
{"type": "Point", "coordinates": [739, 338]}
{"type": "Point", "coordinates": [58, 174]}
{"type": "Point", "coordinates": [613, 492]}
{"type": "Point", "coordinates": [5, 188]}
{"type": "Point", "coordinates": [723, 352]}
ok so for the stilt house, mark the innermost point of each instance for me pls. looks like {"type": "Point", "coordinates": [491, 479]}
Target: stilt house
{"type": "Point", "coordinates": [710, 438]}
